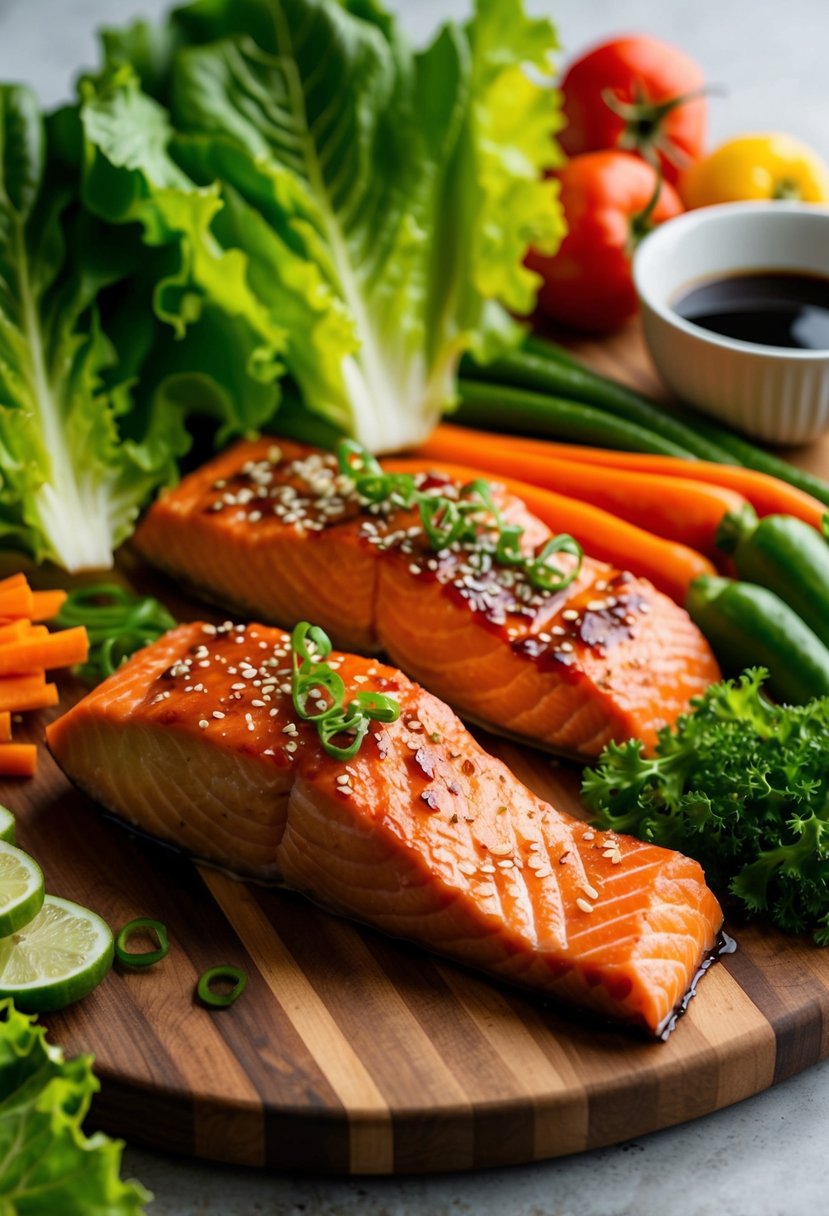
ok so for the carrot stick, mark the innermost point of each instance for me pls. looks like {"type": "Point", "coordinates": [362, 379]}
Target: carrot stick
{"type": "Point", "coordinates": [27, 693]}
{"type": "Point", "coordinates": [13, 580]}
{"type": "Point", "coordinates": [669, 566]}
{"type": "Point", "coordinates": [768, 495]}
{"type": "Point", "coordinates": [5, 727]}
{"type": "Point", "coordinates": [685, 511]}
{"type": "Point", "coordinates": [46, 604]}
{"type": "Point", "coordinates": [16, 601]}
{"type": "Point", "coordinates": [54, 650]}
{"type": "Point", "coordinates": [18, 759]}
{"type": "Point", "coordinates": [13, 631]}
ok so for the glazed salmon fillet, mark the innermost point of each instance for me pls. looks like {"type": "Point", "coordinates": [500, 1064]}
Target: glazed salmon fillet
{"type": "Point", "coordinates": [276, 532]}
{"type": "Point", "coordinates": [421, 834]}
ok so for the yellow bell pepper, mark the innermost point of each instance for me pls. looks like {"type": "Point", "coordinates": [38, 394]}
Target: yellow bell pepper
{"type": "Point", "coordinates": [771, 166]}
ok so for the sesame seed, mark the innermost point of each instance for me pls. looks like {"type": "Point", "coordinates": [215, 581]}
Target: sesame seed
{"type": "Point", "coordinates": [589, 891]}
{"type": "Point", "coordinates": [500, 850]}
{"type": "Point", "coordinates": [203, 724]}
{"type": "Point", "coordinates": [584, 905]}
{"type": "Point", "coordinates": [506, 863]}
{"type": "Point", "coordinates": [466, 867]}
{"type": "Point", "coordinates": [488, 869]}
{"type": "Point", "coordinates": [291, 747]}
{"type": "Point", "coordinates": [569, 614]}
{"type": "Point", "coordinates": [217, 713]}
{"type": "Point", "coordinates": [588, 836]}
{"type": "Point", "coordinates": [258, 704]}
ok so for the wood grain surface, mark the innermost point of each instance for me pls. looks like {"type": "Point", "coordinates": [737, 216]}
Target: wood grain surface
{"type": "Point", "coordinates": [353, 1053]}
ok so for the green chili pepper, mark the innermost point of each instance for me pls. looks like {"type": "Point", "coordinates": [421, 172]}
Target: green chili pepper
{"type": "Point", "coordinates": [786, 555]}
{"type": "Point", "coordinates": [749, 625]}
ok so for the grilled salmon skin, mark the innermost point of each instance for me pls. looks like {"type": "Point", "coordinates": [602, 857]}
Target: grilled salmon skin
{"type": "Point", "coordinates": [421, 834]}
{"type": "Point", "coordinates": [275, 532]}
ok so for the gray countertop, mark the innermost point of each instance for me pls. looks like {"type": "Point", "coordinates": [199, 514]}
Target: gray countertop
{"type": "Point", "coordinates": [766, 1156]}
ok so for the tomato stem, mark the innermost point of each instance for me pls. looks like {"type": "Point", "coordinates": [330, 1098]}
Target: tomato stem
{"type": "Point", "coordinates": [642, 222]}
{"type": "Point", "coordinates": [644, 120]}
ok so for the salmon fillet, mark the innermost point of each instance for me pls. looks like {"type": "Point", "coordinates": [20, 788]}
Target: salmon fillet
{"type": "Point", "coordinates": [421, 834]}
{"type": "Point", "coordinates": [274, 532]}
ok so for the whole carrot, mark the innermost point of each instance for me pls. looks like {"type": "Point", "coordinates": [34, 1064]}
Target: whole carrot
{"type": "Point", "coordinates": [768, 495]}
{"type": "Point", "coordinates": [673, 508]}
{"type": "Point", "coordinates": [670, 566]}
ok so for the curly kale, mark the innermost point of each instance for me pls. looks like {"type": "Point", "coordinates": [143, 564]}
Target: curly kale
{"type": "Point", "coordinates": [740, 784]}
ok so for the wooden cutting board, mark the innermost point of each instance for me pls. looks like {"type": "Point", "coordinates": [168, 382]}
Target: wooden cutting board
{"type": "Point", "coordinates": [353, 1053]}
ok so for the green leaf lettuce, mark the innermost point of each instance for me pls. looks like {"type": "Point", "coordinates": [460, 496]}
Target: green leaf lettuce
{"type": "Point", "coordinates": [360, 211]}
{"type": "Point", "coordinates": [71, 481]}
{"type": "Point", "coordinates": [48, 1166]}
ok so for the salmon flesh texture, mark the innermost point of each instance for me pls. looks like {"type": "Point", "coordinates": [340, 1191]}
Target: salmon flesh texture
{"type": "Point", "coordinates": [274, 532]}
{"type": "Point", "coordinates": [422, 834]}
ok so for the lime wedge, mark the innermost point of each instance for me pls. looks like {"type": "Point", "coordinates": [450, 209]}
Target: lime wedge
{"type": "Point", "coordinates": [57, 958]}
{"type": "Point", "coordinates": [21, 888]}
{"type": "Point", "coordinates": [6, 825]}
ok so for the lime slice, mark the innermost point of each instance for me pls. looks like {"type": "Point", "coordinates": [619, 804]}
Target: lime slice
{"type": "Point", "coordinates": [57, 958]}
{"type": "Point", "coordinates": [21, 888]}
{"type": "Point", "coordinates": [6, 825]}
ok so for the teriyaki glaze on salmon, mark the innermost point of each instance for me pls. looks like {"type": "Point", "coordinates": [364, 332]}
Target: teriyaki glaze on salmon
{"type": "Point", "coordinates": [275, 531]}
{"type": "Point", "coordinates": [422, 834]}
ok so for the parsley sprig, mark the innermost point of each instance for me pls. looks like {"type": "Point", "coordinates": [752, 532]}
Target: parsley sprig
{"type": "Point", "coordinates": [473, 519]}
{"type": "Point", "coordinates": [742, 785]}
{"type": "Point", "coordinates": [315, 683]}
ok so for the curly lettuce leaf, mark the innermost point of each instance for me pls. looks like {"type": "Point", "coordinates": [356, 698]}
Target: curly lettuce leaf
{"type": "Point", "coordinates": [70, 483]}
{"type": "Point", "coordinates": [376, 205]}
{"type": "Point", "coordinates": [47, 1164]}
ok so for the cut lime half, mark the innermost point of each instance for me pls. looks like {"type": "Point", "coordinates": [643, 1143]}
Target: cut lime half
{"type": "Point", "coordinates": [57, 958]}
{"type": "Point", "coordinates": [21, 888]}
{"type": "Point", "coordinates": [6, 825]}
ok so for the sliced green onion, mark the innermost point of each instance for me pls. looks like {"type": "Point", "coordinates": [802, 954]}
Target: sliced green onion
{"type": "Point", "coordinates": [221, 975]}
{"type": "Point", "coordinates": [546, 575]}
{"type": "Point", "coordinates": [142, 958]}
{"type": "Point", "coordinates": [117, 622]}
{"type": "Point", "coordinates": [473, 519]}
{"type": "Point", "coordinates": [311, 676]}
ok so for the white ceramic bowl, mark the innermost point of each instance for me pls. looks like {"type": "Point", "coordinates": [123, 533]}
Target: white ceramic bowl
{"type": "Point", "coordinates": [772, 393]}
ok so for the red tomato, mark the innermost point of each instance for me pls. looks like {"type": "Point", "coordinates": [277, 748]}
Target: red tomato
{"type": "Point", "coordinates": [629, 93]}
{"type": "Point", "coordinates": [606, 198]}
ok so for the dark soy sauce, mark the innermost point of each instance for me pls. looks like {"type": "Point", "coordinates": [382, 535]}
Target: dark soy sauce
{"type": "Point", "coordinates": [773, 308]}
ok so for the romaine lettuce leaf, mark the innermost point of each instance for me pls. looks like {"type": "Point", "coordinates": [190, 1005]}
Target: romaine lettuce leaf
{"type": "Point", "coordinates": [48, 1167]}
{"type": "Point", "coordinates": [375, 205]}
{"type": "Point", "coordinates": [70, 482]}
